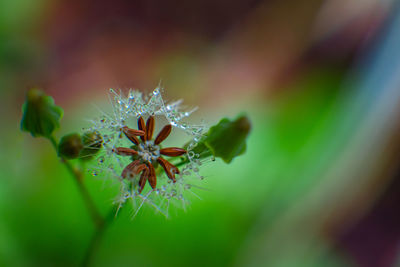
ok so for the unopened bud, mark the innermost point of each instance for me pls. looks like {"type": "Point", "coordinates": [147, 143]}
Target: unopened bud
{"type": "Point", "coordinates": [92, 143]}
{"type": "Point", "coordinates": [70, 146]}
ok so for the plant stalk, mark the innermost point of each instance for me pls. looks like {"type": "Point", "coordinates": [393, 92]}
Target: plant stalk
{"type": "Point", "coordinates": [98, 236]}
{"type": "Point", "coordinates": [95, 215]}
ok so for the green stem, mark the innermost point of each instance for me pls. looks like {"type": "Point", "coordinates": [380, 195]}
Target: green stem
{"type": "Point", "coordinates": [95, 215]}
{"type": "Point", "coordinates": [98, 235]}
{"type": "Point", "coordinates": [203, 155]}
{"type": "Point", "coordinates": [100, 222]}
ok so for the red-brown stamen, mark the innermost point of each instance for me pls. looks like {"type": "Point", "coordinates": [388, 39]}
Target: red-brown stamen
{"type": "Point", "coordinates": [149, 128]}
{"type": "Point", "coordinates": [143, 179]}
{"type": "Point", "coordinates": [124, 151]}
{"type": "Point", "coordinates": [131, 134]}
{"type": "Point", "coordinates": [169, 168]}
{"type": "Point", "coordinates": [129, 168]}
{"type": "Point", "coordinates": [152, 176]}
{"type": "Point", "coordinates": [172, 151]}
{"type": "Point", "coordinates": [163, 134]}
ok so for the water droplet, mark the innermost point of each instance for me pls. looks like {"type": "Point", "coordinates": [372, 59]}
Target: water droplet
{"type": "Point", "coordinates": [173, 192]}
{"type": "Point", "coordinates": [94, 173]}
{"type": "Point", "coordinates": [101, 160]}
{"type": "Point", "coordinates": [188, 186]}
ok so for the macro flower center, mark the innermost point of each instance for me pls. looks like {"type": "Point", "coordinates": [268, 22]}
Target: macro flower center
{"type": "Point", "coordinates": [149, 151]}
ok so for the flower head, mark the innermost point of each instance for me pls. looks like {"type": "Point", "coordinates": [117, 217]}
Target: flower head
{"type": "Point", "coordinates": [133, 158]}
{"type": "Point", "coordinates": [147, 153]}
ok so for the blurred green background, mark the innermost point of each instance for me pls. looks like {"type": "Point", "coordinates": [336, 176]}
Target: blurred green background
{"type": "Point", "coordinates": [319, 79]}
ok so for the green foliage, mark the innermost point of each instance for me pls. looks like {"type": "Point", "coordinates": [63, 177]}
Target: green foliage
{"type": "Point", "coordinates": [40, 115]}
{"type": "Point", "coordinates": [70, 146]}
{"type": "Point", "coordinates": [225, 140]}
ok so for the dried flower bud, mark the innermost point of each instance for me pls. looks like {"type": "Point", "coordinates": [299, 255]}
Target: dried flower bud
{"type": "Point", "coordinates": [70, 146]}
{"type": "Point", "coordinates": [92, 143]}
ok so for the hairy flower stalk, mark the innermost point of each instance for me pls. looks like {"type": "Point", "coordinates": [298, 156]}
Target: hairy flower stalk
{"type": "Point", "coordinates": [133, 158]}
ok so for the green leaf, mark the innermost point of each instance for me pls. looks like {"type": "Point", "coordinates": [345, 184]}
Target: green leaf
{"type": "Point", "coordinates": [40, 115]}
{"type": "Point", "coordinates": [227, 139]}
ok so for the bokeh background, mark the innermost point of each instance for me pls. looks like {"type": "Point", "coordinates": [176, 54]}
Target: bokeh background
{"type": "Point", "coordinates": [319, 79]}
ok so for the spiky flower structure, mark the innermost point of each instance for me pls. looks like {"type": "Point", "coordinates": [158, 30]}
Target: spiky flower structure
{"type": "Point", "coordinates": [131, 156]}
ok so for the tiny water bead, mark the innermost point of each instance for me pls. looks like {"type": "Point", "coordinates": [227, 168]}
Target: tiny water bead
{"type": "Point", "coordinates": [188, 186]}
{"type": "Point", "coordinates": [101, 159]}
{"type": "Point", "coordinates": [173, 192]}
